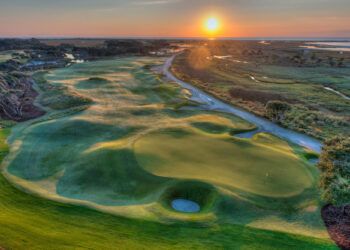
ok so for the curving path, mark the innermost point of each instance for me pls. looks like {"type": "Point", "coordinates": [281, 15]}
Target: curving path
{"type": "Point", "coordinates": [212, 103]}
{"type": "Point", "coordinates": [337, 93]}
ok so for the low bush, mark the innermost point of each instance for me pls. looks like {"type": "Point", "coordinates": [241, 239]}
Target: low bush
{"type": "Point", "coordinates": [335, 167]}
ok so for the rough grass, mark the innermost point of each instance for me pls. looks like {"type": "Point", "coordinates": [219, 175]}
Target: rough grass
{"type": "Point", "coordinates": [316, 111]}
{"type": "Point", "coordinates": [58, 97]}
{"type": "Point", "coordinates": [28, 222]}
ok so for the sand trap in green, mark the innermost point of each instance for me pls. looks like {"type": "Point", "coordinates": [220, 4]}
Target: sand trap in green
{"type": "Point", "coordinates": [260, 166]}
{"type": "Point", "coordinates": [185, 206]}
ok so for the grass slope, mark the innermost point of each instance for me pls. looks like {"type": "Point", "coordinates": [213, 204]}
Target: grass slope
{"type": "Point", "coordinates": [28, 222]}
{"type": "Point", "coordinates": [251, 166]}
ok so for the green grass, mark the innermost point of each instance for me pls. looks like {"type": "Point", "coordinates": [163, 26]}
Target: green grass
{"type": "Point", "coordinates": [28, 222]}
{"type": "Point", "coordinates": [228, 162]}
{"type": "Point", "coordinates": [211, 127]}
{"type": "Point", "coordinates": [216, 128]}
{"type": "Point", "coordinates": [58, 97]}
{"type": "Point", "coordinates": [87, 157]}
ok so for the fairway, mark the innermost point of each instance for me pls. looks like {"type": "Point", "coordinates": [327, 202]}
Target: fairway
{"type": "Point", "coordinates": [136, 143]}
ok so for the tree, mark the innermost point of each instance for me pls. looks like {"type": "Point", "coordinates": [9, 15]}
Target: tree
{"type": "Point", "coordinates": [276, 110]}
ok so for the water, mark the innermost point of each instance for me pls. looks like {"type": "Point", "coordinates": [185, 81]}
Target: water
{"type": "Point", "coordinates": [324, 48]}
{"type": "Point", "coordinates": [264, 125]}
{"type": "Point", "coordinates": [222, 57]}
{"type": "Point", "coordinates": [330, 46]}
{"type": "Point", "coordinates": [248, 135]}
{"type": "Point", "coordinates": [185, 206]}
{"type": "Point", "coordinates": [314, 161]}
{"type": "Point", "coordinates": [333, 44]}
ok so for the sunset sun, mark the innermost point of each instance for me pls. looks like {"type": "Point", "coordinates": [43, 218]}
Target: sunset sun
{"type": "Point", "coordinates": [212, 25]}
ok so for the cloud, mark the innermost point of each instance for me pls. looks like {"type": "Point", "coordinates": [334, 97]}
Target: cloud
{"type": "Point", "coordinates": [156, 2]}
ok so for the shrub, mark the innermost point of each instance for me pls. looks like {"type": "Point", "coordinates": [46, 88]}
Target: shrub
{"type": "Point", "coordinates": [276, 110]}
{"type": "Point", "coordinates": [335, 167]}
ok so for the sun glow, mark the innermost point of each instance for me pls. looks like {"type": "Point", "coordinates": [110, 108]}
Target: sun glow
{"type": "Point", "coordinates": [212, 25]}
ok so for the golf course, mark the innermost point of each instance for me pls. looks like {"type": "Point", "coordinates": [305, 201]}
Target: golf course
{"type": "Point", "coordinates": [123, 149]}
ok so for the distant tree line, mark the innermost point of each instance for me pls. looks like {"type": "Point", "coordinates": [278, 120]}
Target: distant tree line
{"type": "Point", "coordinates": [38, 50]}
{"type": "Point", "coordinates": [16, 44]}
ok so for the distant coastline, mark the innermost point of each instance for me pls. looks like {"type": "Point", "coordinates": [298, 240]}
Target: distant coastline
{"type": "Point", "coordinates": [302, 39]}
{"type": "Point", "coordinates": [341, 46]}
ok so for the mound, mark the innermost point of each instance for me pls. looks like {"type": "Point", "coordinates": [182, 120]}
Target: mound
{"type": "Point", "coordinates": [92, 82]}
{"type": "Point", "coordinates": [254, 167]}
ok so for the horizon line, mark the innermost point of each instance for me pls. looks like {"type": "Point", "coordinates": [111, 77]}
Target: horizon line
{"type": "Point", "coordinates": [276, 38]}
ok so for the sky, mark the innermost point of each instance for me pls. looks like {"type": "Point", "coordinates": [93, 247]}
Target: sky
{"type": "Point", "coordinates": [174, 18]}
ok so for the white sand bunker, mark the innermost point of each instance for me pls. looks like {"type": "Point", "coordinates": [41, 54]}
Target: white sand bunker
{"type": "Point", "coordinates": [185, 206]}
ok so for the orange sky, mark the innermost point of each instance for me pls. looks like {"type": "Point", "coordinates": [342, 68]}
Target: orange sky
{"type": "Point", "coordinates": [175, 18]}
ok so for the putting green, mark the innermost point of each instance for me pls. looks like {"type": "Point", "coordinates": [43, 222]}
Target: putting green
{"type": "Point", "coordinates": [248, 165]}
